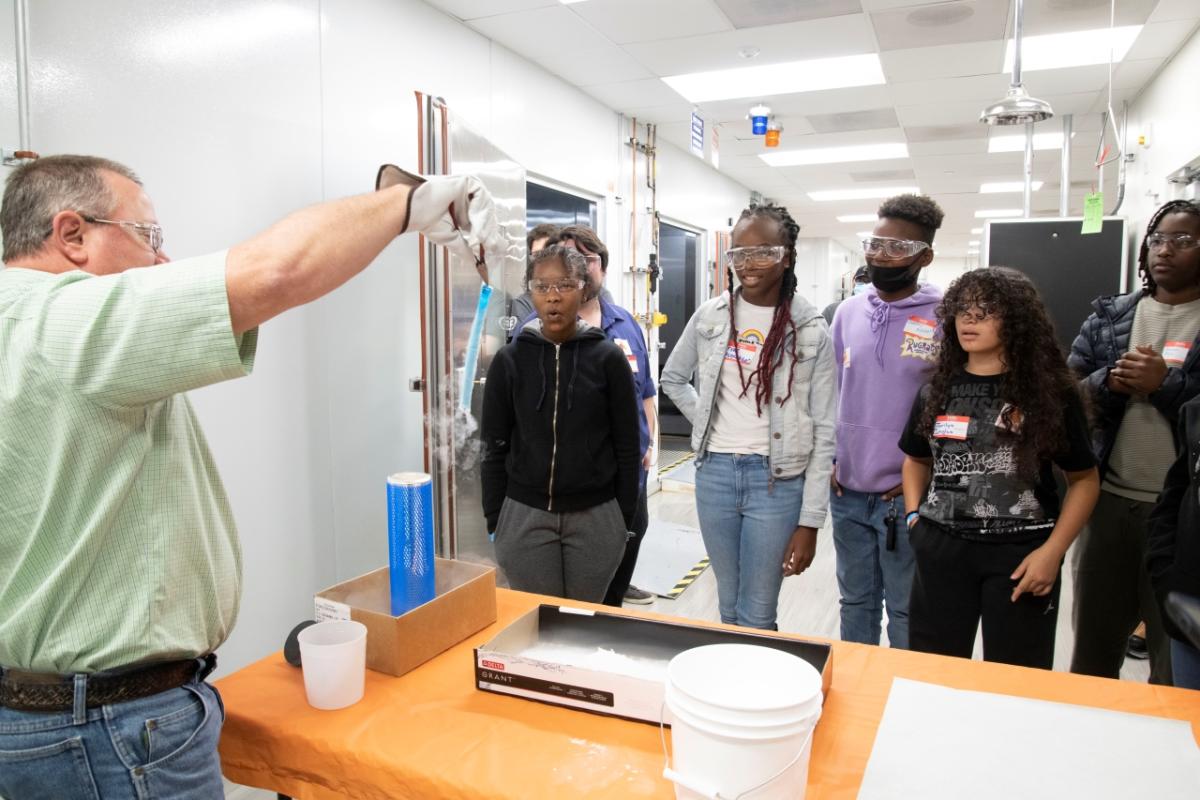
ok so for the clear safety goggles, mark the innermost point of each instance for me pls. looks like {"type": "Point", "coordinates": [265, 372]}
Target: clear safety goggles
{"type": "Point", "coordinates": [887, 247]}
{"type": "Point", "coordinates": [1179, 241]}
{"type": "Point", "coordinates": [765, 256]}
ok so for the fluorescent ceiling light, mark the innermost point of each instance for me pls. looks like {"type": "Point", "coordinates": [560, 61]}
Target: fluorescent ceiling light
{"type": "Point", "coordinates": [976, 230]}
{"type": "Point", "coordinates": [787, 78]}
{"type": "Point", "coordinates": [836, 155]}
{"type": "Point", "coordinates": [973, 243]}
{"type": "Point", "coordinates": [1016, 144]}
{"type": "Point", "coordinates": [1074, 49]}
{"type": "Point", "coordinates": [858, 218]}
{"type": "Point", "coordinates": [862, 194]}
{"type": "Point", "coordinates": [1007, 186]}
{"type": "Point", "coordinates": [570, 2]}
{"type": "Point", "coordinates": [990, 213]}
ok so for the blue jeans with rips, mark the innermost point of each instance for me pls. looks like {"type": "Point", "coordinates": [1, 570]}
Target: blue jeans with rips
{"type": "Point", "coordinates": [869, 574]}
{"type": "Point", "coordinates": [747, 524]}
{"type": "Point", "coordinates": [161, 746]}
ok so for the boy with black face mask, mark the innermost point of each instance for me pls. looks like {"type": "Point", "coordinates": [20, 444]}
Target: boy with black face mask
{"type": "Point", "coordinates": [885, 344]}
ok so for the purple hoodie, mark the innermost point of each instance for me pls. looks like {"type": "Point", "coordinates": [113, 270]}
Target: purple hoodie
{"type": "Point", "coordinates": [884, 353]}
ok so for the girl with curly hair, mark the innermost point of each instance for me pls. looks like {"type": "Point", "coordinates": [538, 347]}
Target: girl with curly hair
{"type": "Point", "coordinates": [987, 527]}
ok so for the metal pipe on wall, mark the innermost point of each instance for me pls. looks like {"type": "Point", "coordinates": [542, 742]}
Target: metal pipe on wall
{"type": "Point", "coordinates": [1064, 188]}
{"type": "Point", "coordinates": [21, 13]}
{"type": "Point", "coordinates": [1028, 170]}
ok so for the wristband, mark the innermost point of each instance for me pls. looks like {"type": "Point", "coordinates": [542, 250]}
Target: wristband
{"type": "Point", "coordinates": [911, 517]}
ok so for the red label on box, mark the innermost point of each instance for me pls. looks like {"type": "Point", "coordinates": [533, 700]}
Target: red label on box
{"type": "Point", "coordinates": [491, 664]}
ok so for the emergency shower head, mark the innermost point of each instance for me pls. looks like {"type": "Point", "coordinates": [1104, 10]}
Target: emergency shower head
{"type": "Point", "coordinates": [1017, 107]}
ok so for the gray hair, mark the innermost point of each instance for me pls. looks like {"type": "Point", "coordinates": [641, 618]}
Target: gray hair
{"type": "Point", "coordinates": [572, 260]}
{"type": "Point", "coordinates": [38, 190]}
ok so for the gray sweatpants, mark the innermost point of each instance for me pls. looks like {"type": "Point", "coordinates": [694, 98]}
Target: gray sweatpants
{"type": "Point", "coordinates": [572, 554]}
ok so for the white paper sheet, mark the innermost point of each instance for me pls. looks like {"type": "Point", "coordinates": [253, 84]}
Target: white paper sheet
{"type": "Point", "coordinates": [936, 743]}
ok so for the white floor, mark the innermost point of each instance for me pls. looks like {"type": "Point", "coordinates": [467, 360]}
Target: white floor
{"type": "Point", "coordinates": [807, 604]}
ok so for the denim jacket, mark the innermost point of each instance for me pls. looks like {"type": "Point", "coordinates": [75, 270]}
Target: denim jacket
{"type": "Point", "coordinates": [801, 430]}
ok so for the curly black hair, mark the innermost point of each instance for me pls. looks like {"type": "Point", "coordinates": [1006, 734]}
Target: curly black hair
{"type": "Point", "coordinates": [918, 209]}
{"type": "Point", "coordinates": [1173, 207]}
{"type": "Point", "coordinates": [772, 353]}
{"type": "Point", "coordinates": [1036, 381]}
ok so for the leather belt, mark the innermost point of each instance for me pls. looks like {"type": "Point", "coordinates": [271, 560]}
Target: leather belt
{"type": "Point", "coordinates": [38, 691]}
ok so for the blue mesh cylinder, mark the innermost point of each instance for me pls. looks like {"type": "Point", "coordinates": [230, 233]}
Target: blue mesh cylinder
{"type": "Point", "coordinates": [410, 540]}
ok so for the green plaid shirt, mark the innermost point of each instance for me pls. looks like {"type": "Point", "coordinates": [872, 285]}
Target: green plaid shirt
{"type": "Point", "coordinates": [117, 544]}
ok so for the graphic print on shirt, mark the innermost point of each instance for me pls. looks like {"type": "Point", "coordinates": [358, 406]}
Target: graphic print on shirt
{"type": "Point", "coordinates": [976, 486]}
{"type": "Point", "coordinates": [919, 341]}
{"type": "Point", "coordinates": [746, 349]}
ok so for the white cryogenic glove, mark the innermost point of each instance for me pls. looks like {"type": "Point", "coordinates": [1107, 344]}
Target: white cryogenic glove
{"type": "Point", "coordinates": [453, 210]}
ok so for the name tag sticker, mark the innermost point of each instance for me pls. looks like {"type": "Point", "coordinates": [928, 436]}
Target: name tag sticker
{"type": "Point", "coordinates": [945, 427]}
{"type": "Point", "coordinates": [920, 327]}
{"type": "Point", "coordinates": [1175, 353]}
{"type": "Point", "coordinates": [325, 610]}
{"type": "Point", "coordinates": [918, 341]}
{"type": "Point", "coordinates": [628, 351]}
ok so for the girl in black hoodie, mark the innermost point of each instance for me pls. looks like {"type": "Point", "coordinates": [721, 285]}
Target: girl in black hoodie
{"type": "Point", "coordinates": [560, 438]}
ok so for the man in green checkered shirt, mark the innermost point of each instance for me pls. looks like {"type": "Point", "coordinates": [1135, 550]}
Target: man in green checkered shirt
{"type": "Point", "coordinates": [120, 567]}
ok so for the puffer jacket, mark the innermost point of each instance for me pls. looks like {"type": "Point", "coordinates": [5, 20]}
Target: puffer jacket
{"type": "Point", "coordinates": [801, 430]}
{"type": "Point", "coordinates": [1173, 546]}
{"type": "Point", "coordinates": [1102, 340]}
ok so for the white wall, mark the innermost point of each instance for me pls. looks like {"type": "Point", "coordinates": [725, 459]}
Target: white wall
{"type": "Point", "coordinates": [235, 114]}
{"type": "Point", "coordinates": [1168, 112]}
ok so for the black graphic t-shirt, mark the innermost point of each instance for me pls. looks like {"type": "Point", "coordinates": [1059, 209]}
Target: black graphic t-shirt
{"type": "Point", "coordinates": [976, 491]}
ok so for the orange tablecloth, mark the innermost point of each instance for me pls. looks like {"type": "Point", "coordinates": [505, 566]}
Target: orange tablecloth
{"type": "Point", "coordinates": [431, 734]}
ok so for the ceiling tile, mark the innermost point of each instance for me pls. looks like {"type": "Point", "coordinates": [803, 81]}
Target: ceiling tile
{"type": "Point", "coordinates": [553, 30]}
{"type": "Point", "coordinates": [873, 119]}
{"type": "Point", "coordinates": [1135, 75]}
{"type": "Point", "coordinates": [1061, 16]}
{"type": "Point", "coordinates": [1168, 10]}
{"type": "Point", "coordinates": [756, 13]}
{"type": "Point", "coordinates": [983, 88]}
{"type": "Point", "coordinates": [797, 41]}
{"type": "Point", "coordinates": [883, 175]}
{"type": "Point", "coordinates": [977, 145]}
{"type": "Point", "coordinates": [945, 133]}
{"type": "Point", "coordinates": [627, 21]}
{"type": "Point", "coordinates": [1159, 40]}
{"type": "Point", "coordinates": [940, 24]}
{"type": "Point", "coordinates": [633, 94]}
{"type": "Point", "coordinates": [474, 9]}
{"type": "Point", "coordinates": [605, 65]}
{"type": "Point", "coordinates": [830, 101]}
{"type": "Point", "coordinates": [943, 61]}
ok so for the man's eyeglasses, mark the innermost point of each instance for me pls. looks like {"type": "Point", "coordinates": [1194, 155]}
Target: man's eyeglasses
{"type": "Point", "coordinates": [150, 233]}
{"type": "Point", "coordinates": [765, 256]}
{"type": "Point", "coordinates": [1180, 241]}
{"type": "Point", "coordinates": [887, 247]}
{"type": "Point", "coordinates": [562, 287]}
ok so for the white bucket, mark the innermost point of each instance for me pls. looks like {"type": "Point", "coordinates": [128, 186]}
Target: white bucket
{"type": "Point", "coordinates": [333, 656]}
{"type": "Point", "coordinates": [742, 719]}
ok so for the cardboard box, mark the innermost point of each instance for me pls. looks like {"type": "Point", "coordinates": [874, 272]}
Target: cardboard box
{"type": "Point", "coordinates": [465, 604]}
{"type": "Point", "coordinates": [519, 660]}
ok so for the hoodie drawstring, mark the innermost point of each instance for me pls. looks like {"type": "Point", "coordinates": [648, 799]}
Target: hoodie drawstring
{"type": "Point", "coordinates": [881, 319]}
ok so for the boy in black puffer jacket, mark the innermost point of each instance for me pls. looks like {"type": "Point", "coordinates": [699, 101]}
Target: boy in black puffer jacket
{"type": "Point", "coordinates": [1138, 360]}
{"type": "Point", "coordinates": [1173, 557]}
{"type": "Point", "coordinates": [560, 436]}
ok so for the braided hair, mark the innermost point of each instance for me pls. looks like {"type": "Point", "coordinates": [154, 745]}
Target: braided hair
{"type": "Point", "coordinates": [771, 355]}
{"type": "Point", "coordinates": [1173, 207]}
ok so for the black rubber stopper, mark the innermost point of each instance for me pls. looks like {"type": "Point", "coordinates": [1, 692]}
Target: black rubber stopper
{"type": "Point", "coordinates": [291, 648]}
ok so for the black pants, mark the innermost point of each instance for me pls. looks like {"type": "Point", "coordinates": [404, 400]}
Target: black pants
{"type": "Point", "coordinates": [1113, 592]}
{"type": "Point", "coordinates": [620, 581]}
{"type": "Point", "coordinates": [957, 582]}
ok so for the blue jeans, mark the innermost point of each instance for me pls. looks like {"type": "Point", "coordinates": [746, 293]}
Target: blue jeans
{"type": "Point", "coordinates": [746, 526]}
{"type": "Point", "coordinates": [162, 746]}
{"type": "Point", "coordinates": [869, 574]}
{"type": "Point", "coordinates": [1185, 665]}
